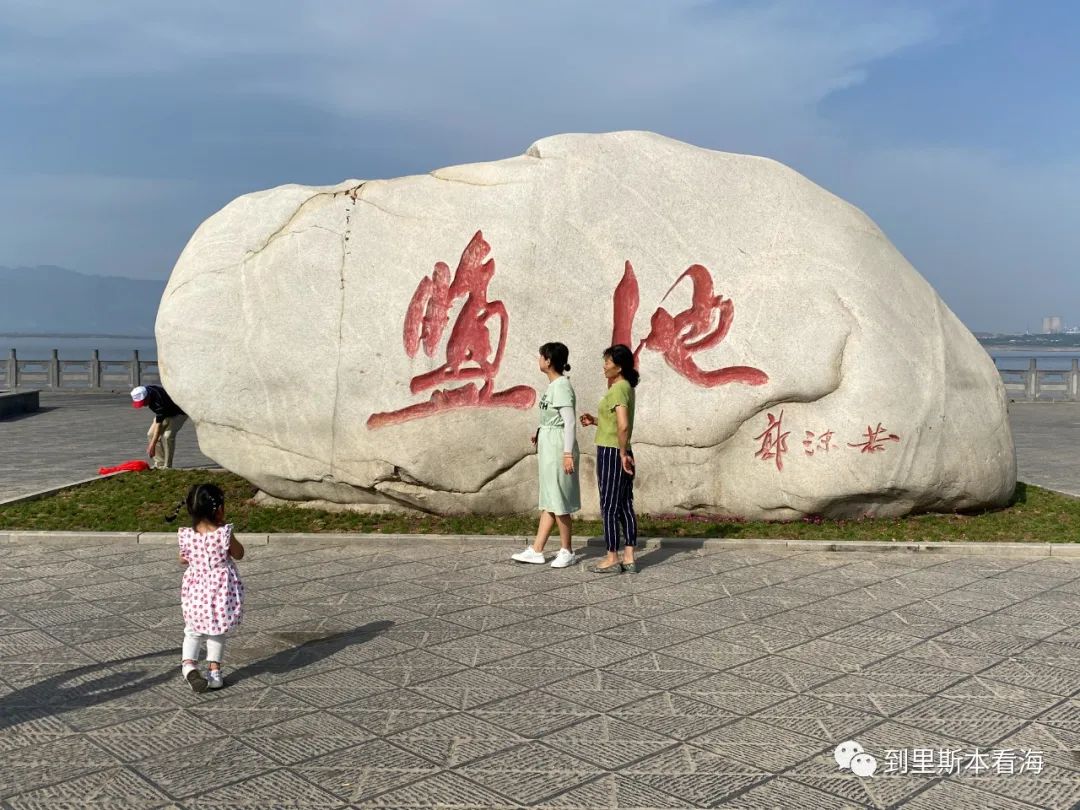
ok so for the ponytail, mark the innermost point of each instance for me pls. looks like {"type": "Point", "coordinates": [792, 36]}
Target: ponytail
{"type": "Point", "coordinates": [557, 354]}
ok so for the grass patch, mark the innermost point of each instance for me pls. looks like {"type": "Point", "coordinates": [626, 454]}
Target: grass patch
{"type": "Point", "coordinates": [139, 502]}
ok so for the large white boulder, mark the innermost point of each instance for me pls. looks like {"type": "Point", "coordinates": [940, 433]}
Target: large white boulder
{"type": "Point", "coordinates": [374, 343]}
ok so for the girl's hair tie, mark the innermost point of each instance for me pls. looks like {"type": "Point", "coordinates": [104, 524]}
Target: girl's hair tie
{"type": "Point", "coordinates": [171, 517]}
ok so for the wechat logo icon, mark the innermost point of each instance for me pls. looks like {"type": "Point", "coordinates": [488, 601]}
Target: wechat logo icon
{"type": "Point", "coordinates": [851, 756]}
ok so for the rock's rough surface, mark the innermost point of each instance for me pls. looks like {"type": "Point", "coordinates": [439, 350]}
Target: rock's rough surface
{"type": "Point", "coordinates": [375, 343]}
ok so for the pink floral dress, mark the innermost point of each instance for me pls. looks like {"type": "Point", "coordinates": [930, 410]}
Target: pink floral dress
{"type": "Point", "coordinates": [212, 594]}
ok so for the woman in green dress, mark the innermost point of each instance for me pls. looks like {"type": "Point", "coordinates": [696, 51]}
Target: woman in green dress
{"type": "Point", "coordinates": [557, 452]}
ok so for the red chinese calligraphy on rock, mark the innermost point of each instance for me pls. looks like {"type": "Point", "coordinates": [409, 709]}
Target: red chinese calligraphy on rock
{"type": "Point", "coordinates": [703, 325]}
{"type": "Point", "coordinates": [470, 357]}
{"type": "Point", "coordinates": [773, 441]}
{"type": "Point", "coordinates": [875, 441]}
{"type": "Point", "coordinates": [814, 442]}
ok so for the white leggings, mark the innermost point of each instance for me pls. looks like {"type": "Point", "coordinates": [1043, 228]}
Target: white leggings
{"type": "Point", "coordinates": [215, 646]}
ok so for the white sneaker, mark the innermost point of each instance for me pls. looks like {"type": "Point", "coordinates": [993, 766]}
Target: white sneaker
{"type": "Point", "coordinates": [214, 679]}
{"type": "Point", "coordinates": [529, 555]}
{"type": "Point", "coordinates": [564, 559]}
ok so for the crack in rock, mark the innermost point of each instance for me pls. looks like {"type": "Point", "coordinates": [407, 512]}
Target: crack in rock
{"type": "Point", "coordinates": [296, 214]}
{"type": "Point", "coordinates": [353, 194]}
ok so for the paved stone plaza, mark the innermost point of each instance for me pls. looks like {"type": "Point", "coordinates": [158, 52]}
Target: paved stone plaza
{"type": "Point", "coordinates": [1047, 438]}
{"type": "Point", "coordinates": [443, 675]}
{"type": "Point", "coordinates": [382, 674]}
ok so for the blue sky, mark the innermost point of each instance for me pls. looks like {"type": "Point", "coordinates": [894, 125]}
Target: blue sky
{"type": "Point", "coordinates": [954, 124]}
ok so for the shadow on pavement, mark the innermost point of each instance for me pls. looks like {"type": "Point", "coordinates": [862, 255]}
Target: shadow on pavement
{"type": "Point", "coordinates": [660, 555]}
{"type": "Point", "coordinates": [311, 649]}
{"type": "Point", "coordinates": [594, 548]}
{"type": "Point", "coordinates": [58, 694]}
{"type": "Point", "coordinates": [18, 417]}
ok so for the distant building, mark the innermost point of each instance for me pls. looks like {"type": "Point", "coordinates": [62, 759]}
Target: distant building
{"type": "Point", "coordinates": [1052, 325]}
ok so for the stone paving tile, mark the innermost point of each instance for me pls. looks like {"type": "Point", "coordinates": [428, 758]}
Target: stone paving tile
{"type": "Point", "coordinates": [972, 725]}
{"type": "Point", "coordinates": [785, 673]}
{"type": "Point", "coordinates": [984, 693]}
{"type": "Point", "coordinates": [817, 718]}
{"type": "Point", "coordinates": [810, 622]}
{"type": "Point", "coordinates": [699, 789]}
{"type": "Point", "coordinates": [761, 638]}
{"type": "Point", "coordinates": [732, 693]}
{"type": "Point", "coordinates": [884, 790]}
{"type": "Point", "coordinates": [597, 691]}
{"type": "Point", "coordinates": [995, 643]}
{"type": "Point", "coordinates": [1057, 746]}
{"type": "Point", "coordinates": [758, 744]}
{"type": "Point", "coordinates": [110, 787]}
{"type": "Point", "coordinates": [1061, 656]}
{"type": "Point", "coordinates": [444, 789]}
{"type": "Point", "coordinates": [894, 735]}
{"type": "Point", "coordinates": [722, 679]}
{"type": "Point", "coordinates": [1041, 790]}
{"type": "Point", "coordinates": [711, 653]}
{"type": "Point", "coordinates": [657, 671]}
{"type": "Point", "coordinates": [867, 635]}
{"type": "Point", "coordinates": [953, 657]}
{"type": "Point", "coordinates": [139, 735]}
{"type": "Point", "coordinates": [641, 606]}
{"type": "Point", "coordinates": [1024, 627]}
{"type": "Point", "coordinates": [953, 794]}
{"type": "Point", "coordinates": [937, 609]}
{"type": "Point", "coordinates": [54, 759]}
{"type": "Point", "coordinates": [781, 792]}
{"type": "Point", "coordinates": [594, 619]}
{"type": "Point", "coordinates": [186, 772]}
{"type": "Point", "coordinates": [531, 772]}
{"type": "Point", "coordinates": [916, 675]}
{"type": "Point", "coordinates": [267, 789]}
{"type": "Point", "coordinates": [842, 657]}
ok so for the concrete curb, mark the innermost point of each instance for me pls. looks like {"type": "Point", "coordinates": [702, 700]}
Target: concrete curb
{"type": "Point", "coordinates": [44, 493]}
{"type": "Point", "coordinates": [1070, 550]}
{"type": "Point", "coordinates": [1072, 495]}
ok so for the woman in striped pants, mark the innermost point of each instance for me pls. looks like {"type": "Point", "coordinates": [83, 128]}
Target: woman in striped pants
{"type": "Point", "coordinates": [615, 459]}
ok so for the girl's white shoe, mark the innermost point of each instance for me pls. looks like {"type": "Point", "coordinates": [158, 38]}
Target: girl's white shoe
{"type": "Point", "coordinates": [194, 678]}
{"type": "Point", "coordinates": [214, 679]}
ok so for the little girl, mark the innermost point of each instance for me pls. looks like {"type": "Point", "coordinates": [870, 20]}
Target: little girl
{"type": "Point", "coordinates": [212, 594]}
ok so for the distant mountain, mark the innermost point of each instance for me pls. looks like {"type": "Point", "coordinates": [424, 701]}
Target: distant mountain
{"type": "Point", "coordinates": [48, 299]}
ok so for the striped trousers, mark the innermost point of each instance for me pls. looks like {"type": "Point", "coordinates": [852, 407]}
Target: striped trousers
{"type": "Point", "coordinates": [616, 498]}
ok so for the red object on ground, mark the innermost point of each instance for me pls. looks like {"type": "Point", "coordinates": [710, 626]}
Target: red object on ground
{"type": "Point", "coordinates": [127, 466]}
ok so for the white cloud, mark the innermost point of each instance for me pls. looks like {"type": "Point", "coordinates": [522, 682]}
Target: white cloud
{"type": "Point", "coordinates": [368, 57]}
